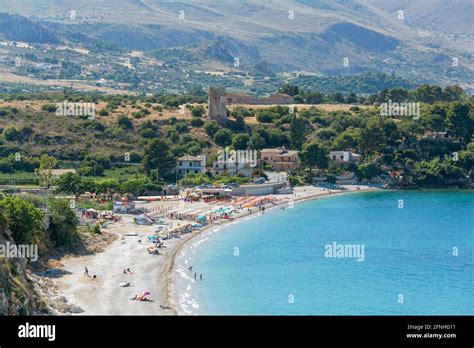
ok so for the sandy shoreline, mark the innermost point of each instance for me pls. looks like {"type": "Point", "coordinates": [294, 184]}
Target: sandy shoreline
{"type": "Point", "coordinates": [153, 273]}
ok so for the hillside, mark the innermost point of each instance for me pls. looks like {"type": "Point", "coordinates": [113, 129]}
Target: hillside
{"type": "Point", "coordinates": [130, 135]}
{"type": "Point", "coordinates": [314, 37]}
{"type": "Point", "coordinates": [18, 295]}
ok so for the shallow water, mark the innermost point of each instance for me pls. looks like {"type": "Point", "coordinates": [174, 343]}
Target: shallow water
{"type": "Point", "coordinates": [417, 258]}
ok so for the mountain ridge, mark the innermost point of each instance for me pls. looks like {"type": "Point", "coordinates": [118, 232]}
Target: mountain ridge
{"type": "Point", "coordinates": [322, 37]}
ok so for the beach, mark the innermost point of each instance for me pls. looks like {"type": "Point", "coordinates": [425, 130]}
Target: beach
{"type": "Point", "coordinates": [126, 260]}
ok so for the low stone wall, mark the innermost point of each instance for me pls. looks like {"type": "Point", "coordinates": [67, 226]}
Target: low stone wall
{"type": "Point", "coordinates": [258, 190]}
{"type": "Point", "coordinates": [248, 99]}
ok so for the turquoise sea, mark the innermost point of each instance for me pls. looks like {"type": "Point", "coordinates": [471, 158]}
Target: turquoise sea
{"type": "Point", "coordinates": [417, 258]}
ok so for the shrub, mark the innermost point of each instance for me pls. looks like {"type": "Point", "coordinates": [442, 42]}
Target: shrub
{"type": "Point", "coordinates": [196, 122]}
{"type": "Point", "coordinates": [49, 107]}
{"type": "Point", "coordinates": [124, 122]}
{"type": "Point", "coordinates": [198, 111]}
{"type": "Point", "coordinates": [211, 127]}
{"type": "Point", "coordinates": [223, 137]}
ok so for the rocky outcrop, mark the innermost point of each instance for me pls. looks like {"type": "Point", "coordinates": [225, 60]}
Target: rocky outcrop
{"type": "Point", "coordinates": [18, 292]}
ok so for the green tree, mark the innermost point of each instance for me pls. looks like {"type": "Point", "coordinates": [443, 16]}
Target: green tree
{"type": "Point", "coordinates": [298, 98]}
{"type": "Point", "coordinates": [428, 94]}
{"type": "Point", "coordinates": [197, 122]}
{"type": "Point", "coordinates": [395, 95]}
{"type": "Point", "coordinates": [314, 98]}
{"type": "Point", "coordinates": [367, 171]}
{"type": "Point", "coordinates": [223, 137]}
{"type": "Point", "coordinates": [71, 183]}
{"type": "Point", "coordinates": [90, 167]}
{"type": "Point", "coordinates": [106, 186]}
{"type": "Point", "coordinates": [453, 93]}
{"type": "Point", "coordinates": [239, 124]}
{"type": "Point", "coordinates": [434, 122]}
{"type": "Point", "coordinates": [124, 122]}
{"type": "Point", "coordinates": [289, 89]}
{"type": "Point", "coordinates": [257, 141]}
{"type": "Point", "coordinates": [47, 164]}
{"type": "Point", "coordinates": [351, 98]}
{"type": "Point", "coordinates": [12, 134]}
{"type": "Point", "coordinates": [409, 129]}
{"type": "Point", "coordinates": [240, 141]}
{"type": "Point", "coordinates": [266, 116]}
{"type": "Point", "coordinates": [25, 221]}
{"type": "Point", "coordinates": [63, 223]}
{"type": "Point", "coordinates": [211, 127]}
{"type": "Point", "coordinates": [298, 130]}
{"type": "Point", "coordinates": [347, 139]}
{"type": "Point", "coordinates": [390, 129]}
{"type": "Point", "coordinates": [461, 121]}
{"type": "Point", "coordinates": [436, 173]}
{"type": "Point", "coordinates": [158, 158]}
{"type": "Point", "coordinates": [138, 186]}
{"type": "Point", "coordinates": [198, 111]}
{"type": "Point", "coordinates": [372, 137]}
{"type": "Point", "coordinates": [314, 154]}
{"type": "Point", "coordinates": [276, 137]}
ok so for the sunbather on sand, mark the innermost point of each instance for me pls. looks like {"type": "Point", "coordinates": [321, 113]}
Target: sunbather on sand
{"type": "Point", "coordinates": [140, 297]}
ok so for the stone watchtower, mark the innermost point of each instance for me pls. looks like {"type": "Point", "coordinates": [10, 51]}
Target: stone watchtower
{"type": "Point", "coordinates": [217, 109]}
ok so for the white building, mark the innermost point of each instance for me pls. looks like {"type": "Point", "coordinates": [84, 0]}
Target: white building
{"type": "Point", "coordinates": [191, 165]}
{"type": "Point", "coordinates": [345, 158]}
{"type": "Point", "coordinates": [232, 168]}
{"type": "Point", "coordinates": [437, 135]}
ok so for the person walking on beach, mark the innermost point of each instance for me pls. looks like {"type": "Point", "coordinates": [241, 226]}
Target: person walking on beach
{"type": "Point", "coordinates": [195, 275]}
{"type": "Point", "coordinates": [86, 271]}
{"type": "Point", "coordinates": [200, 277]}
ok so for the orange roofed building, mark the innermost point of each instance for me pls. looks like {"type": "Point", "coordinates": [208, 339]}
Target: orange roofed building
{"type": "Point", "coordinates": [280, 159]}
